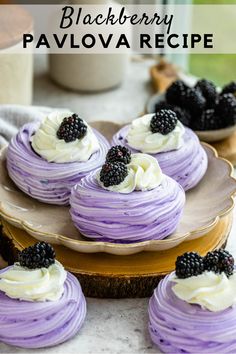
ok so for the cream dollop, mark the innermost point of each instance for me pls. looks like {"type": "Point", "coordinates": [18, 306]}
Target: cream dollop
{"type": "Point", "coordinates": [141, 138]}
{"type": "Point", "coordinates": [46, 143]}
{"type": "Point", "coordinates": [144, 173]}
{"type": "Point", "coordinates": [214, 292]}
{"type": "Point", "coordinates": [42, 284]}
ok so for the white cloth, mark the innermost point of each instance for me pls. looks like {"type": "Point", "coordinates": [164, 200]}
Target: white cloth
{"type": "Point", "coordinates": [12, 117]}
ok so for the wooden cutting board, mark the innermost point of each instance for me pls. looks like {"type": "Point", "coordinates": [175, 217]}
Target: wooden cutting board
{"type": "Point", "coordinates": [109, 276]}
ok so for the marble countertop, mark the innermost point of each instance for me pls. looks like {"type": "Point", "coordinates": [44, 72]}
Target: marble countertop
{"type": "Point", "coordinates": [112, 326]}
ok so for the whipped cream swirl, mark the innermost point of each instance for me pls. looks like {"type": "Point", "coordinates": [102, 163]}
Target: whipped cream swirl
{"type": "Point", "coordinates": [42, 284]}
{"type": "Point", "coordinates": [141, 138]}
{"type": "Point", "coordinates": [46, 143]}
{"type": "Point", "coordinates": [215, 292]}
{"type": "Point", "coordinates": [144, 173]}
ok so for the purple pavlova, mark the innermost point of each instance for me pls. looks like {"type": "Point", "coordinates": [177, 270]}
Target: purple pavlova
{"type": "Point", "coordinates": [143, 205]}
{"type": "Point", "coordinates": [45, 166]}
{"type": "Point", "coordinates": [179, 153]}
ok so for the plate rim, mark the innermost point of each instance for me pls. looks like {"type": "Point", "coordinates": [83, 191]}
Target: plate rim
{"type": "Point", "coordinates": [108, 246]}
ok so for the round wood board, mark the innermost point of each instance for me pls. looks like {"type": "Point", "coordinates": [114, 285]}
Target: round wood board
{"type": "Point", "coordinates": [109, 276]}
{"type": "Point", "coordinates": [227, 148]}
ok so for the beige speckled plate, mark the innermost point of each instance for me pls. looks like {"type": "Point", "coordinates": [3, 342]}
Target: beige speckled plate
{"type": "Point", "coordinates": [206, 203]}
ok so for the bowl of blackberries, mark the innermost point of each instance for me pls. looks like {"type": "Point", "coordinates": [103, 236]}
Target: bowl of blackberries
{"type": "Point", "coordinates": [210, 112]}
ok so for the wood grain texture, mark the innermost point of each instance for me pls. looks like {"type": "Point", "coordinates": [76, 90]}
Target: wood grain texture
{"type": "Point", "coordinates": [109, 276]}
{"type": "Point", "coordinates": [14, 21]}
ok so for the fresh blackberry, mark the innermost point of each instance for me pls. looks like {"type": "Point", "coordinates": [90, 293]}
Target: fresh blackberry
{"type": "Point", "coordinates": [72, 128]}
{"type": "Point", "coordinates": [175, 92]}
{"type": "Point", "coordinates": [183, 116]}
{"type": "Point", "coordinates": [219, 261]}
{"type": "Point", "coordinates": [207, 121]}
{"type": "Point", "coordinates": [226, 109]}
{"type": "Point", "coordinates": [119, 153]}
{"type": "Point", "coordinates": [188, 265]}
{"type": "Point", "coordinates": [113, 173]}
{"type": "Point", "coordinates": [208, 91]}
{"type": "Point", "coordinates": [193, 101]}
{"type": "Point", "coordinates": [40, 255]}
{"type": "Point", "coordinates": [164, 121]}
{"type": "Point", "coordinates": [230, 88]}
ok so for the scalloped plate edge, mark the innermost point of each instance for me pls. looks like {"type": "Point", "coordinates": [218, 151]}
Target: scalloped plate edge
{"type": "Point", "coordinates": [124, 249]}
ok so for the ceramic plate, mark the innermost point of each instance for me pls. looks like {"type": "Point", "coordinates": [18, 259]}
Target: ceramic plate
{"type": "Point", "coordinates": [209, 136]}
{"type": "Point", "coordinates": [206, 203]}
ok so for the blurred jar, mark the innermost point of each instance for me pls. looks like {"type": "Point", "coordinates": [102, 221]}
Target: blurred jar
{"type": "Point", "coordinates": [89, 72]}
{"type": "Point", "coordinates": [16, 70]}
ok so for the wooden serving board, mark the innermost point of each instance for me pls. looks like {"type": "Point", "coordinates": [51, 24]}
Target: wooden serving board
{"type": "Point", "coordinates": [109, 276]}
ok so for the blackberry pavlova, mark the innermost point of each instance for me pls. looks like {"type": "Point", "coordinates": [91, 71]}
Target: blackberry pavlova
{"type": "Point", "coordinates": [127, 202]}
{"type": "Point", "coordinates": [41, 304]}
{"type": "Point", "coordinates": [46, 159]}
{"type": "Point", "coordinates": [176, 147]}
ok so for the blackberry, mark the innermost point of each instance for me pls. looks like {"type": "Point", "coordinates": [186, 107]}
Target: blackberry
{"type": "Point", "coordinates": [164, 121]}
{"type": "Point", "coordinates": [208, 91]}
{"type": "Point", "coordinates": [183, 116]}
{"type": "Point", "coordinates": [72, 128]}
{"type": "Point", "coordinates": [119, 153]}
{"type": "Point", "coordinates": [226, 109]}
{"type": "Point", "coordinates": [113, 173]}
{"type": "Point", "coordinates": [175, 92]}
{"type": "Point", "coordinates": [188, 265]}
{"type": "Point", "coordinates": [207, 121]}
{"type": "Point", "coordinates": [219, 261]}
{"type": "Point", "coordinates": [40, 255]}
{"type": "Point", "coordinates": [193, 101]}
{"type": "Point", "coordinates": [230, 88]}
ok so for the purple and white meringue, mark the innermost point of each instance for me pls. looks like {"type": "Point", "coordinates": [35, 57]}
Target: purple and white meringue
{"type": "Point", "coordinates": [179, 153]}
{"type": "Point", "coordinates": [188, 326]}
{"type": "Point", "coordinates": [49, 182]}
{"type": "Point", "coordinates": [39, 324]}
{"type": "Point", "coordinates": [126, 217]}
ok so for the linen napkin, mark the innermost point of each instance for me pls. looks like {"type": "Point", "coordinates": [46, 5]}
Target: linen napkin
{"type": "Point", "coordinates": [12, 117]}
